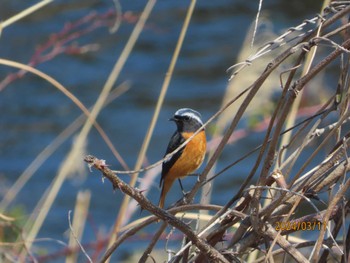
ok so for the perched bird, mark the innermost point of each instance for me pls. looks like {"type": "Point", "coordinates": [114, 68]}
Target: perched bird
{"type": "Point", "coordinates": [190, 157]}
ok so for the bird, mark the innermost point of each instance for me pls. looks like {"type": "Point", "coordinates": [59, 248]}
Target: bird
{"type": "Point", "coordinates": [190, 157]}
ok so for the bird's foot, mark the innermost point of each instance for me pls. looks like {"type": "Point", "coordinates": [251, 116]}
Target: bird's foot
{"type": "Point", "coordinates": [184, 198]}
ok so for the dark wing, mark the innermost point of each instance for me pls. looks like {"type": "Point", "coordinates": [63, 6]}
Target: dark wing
{"type": "Point", "coordinates": [175, 141]}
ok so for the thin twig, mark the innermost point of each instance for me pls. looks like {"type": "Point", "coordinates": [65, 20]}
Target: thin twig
{"type": "Point", "coordinates": [146, 253]}
{"type": "Point", "coordinates": [283, 243]}
{"type": "Point", "coordinates": [256, 22]}
{"type": "Point", "coordinates": [340, 194]}
{"type": "Point", "coordinates": [23, 14]}
{"type": "Point", "coordinates": [76, 238]}
{"type": "Point", "coordinates": [110, 81]}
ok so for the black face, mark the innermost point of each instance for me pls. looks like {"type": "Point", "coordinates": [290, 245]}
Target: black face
{"type": "Point", "coordinates": [187, 121]}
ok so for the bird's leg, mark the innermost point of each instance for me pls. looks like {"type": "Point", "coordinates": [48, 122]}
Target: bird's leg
{"type": "Point", "coordinates": [183, 192]}
{"type": "Point", "coordinates": [182, 189]}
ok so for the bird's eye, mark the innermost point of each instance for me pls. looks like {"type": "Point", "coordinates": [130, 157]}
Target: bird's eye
{"type": "Point", "coordinates": [186, 118]}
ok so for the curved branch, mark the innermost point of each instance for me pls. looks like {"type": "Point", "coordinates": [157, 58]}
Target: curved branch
{"type": "Point", "coordinates": [210, 252]}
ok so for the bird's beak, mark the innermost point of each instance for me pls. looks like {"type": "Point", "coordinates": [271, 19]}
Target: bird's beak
{"type": "Point", "coordinates": [172, 119]}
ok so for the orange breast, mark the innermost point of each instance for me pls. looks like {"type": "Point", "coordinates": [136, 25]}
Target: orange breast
{"type": "Point", "coordinates": [191, 157]}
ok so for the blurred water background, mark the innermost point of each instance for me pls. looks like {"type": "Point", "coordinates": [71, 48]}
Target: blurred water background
{"type": "Point", "coordinates": [33, 113]}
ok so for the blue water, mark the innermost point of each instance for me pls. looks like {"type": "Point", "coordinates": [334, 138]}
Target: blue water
{"type": "Point", "coordinates": [33, 113]}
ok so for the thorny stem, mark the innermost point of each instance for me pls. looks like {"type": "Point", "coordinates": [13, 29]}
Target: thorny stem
{"type": "Point", "coordinates": [117, 183]}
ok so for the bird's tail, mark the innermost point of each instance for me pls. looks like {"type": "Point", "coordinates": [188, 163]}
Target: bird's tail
{"type": "Point", "coordinates": [165, 189]}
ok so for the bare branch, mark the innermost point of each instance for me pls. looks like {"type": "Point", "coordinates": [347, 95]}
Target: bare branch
{"type": "Point", "coordinates": [117, 183]}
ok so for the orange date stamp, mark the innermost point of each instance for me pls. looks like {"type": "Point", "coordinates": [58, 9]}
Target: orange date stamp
{"type": "Point", "coordinates": [296, 226]}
